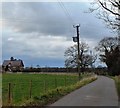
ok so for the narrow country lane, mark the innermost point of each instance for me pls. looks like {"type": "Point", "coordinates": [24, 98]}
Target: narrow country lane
{"type": "Point", "coordinates": [101, 92]}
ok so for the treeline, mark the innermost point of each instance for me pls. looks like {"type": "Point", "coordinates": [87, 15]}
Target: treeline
{"type": "Point", "coordinates": [99, 71]}
{"type": "Point", "coordinates": [47, 69]}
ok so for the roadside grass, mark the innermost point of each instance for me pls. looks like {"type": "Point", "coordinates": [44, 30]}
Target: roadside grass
{"type": "Point", "coordinates": [22, 85]}
{"type": "Point", "coordinates": [54, 94]}
{"type": "Point", "coordinates": [117, 82]}
{"type": "Point", "coordinates": [0, 89]}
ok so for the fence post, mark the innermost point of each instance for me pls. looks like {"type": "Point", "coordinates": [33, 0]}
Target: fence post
{"type": "Point", "coordinates": [9, 93]}
{"type": "Point", "coordinates": [65, 81]}
{"type": "Point", "coordinates": [55, 83]}
{"type": "Point", "coordinates": [30, 92]}
{"type": "Point", "coordinates": [45, 86]}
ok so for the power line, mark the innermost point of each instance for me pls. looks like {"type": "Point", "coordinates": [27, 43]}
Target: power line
{"type": "Point", "coordinates": [17, 20]}
{"type": "Point", "coordinates": [66, 11]}
{"type": "Point", "coordinates": [27, 21]}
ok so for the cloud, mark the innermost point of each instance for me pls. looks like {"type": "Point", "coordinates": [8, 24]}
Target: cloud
{"type": "Point", "coordinates": [47, 0]}
{"type": "Point", "coordinates": [51, 19]}
{"type": "Point", "coordinates": [39, 47]}
{"type": "Point", "coordinates": [44, 18]}
{"type": "Point", "coordinates": [42, 30]}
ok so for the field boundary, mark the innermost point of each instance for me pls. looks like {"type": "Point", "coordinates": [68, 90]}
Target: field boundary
{"type": "Point", "coordinates": [53, 95]}
{"type": "Point", "coordinates": [18, 88]}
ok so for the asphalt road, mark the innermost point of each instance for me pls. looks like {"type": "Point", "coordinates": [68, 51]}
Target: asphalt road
{"type": "Point", "coordinates": [101, 92]}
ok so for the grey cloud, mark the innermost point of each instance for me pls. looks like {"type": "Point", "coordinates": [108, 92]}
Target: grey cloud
{"type": "Point", "coordinates": [37, 47]}
{"type": "Point", "coordinates": [42, 30]}
{"type": "Point", "coordinates": [50, 19]}
{"type": "Point", "coordinates": [36, 17]}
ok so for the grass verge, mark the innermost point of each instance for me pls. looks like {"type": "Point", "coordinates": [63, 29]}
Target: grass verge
{"type": "Point", "coordinates": [117, 82]}
{"type": "Point", "coordinates": [55, 94]}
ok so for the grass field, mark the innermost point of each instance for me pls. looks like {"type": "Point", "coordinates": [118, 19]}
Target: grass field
{"type": "Point", "coordinates": [25, 85]}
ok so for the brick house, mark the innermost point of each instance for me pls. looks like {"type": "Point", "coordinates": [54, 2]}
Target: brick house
{"type": "Point", "coordinates": [13, 65]}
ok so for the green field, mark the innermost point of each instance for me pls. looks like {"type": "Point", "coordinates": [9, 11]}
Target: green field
{"type": "Point", "coordinates": [25, 85]}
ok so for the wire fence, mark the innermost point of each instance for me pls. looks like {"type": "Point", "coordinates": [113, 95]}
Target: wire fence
{"type": "Point", "coordinates": [18, 92]}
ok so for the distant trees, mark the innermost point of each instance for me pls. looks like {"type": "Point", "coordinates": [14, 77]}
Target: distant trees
{"type": "Point", "coordinates": [109, 11]}
{"type": "Point", "coordinates": [85, 58]}
{"type": "Point", "coordinates": [109, 49]}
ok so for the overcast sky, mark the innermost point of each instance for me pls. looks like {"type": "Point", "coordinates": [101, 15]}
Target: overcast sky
{"type": "Point", "coordinates": [40, 32]}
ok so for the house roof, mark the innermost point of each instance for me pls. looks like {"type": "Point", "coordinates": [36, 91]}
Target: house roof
{"type": "Point", "coordinates": [13, 63]}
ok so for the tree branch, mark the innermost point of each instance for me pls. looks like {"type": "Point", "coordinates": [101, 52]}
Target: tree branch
{"type": "Point", "coordinates": [108, 9]}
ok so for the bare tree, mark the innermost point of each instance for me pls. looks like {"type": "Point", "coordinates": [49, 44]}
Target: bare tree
{"type": "Point", "coordinates": [109, 11]}
{"type": "Point", "coordinates": [85, 58]}
{"type": "Point", "coordinates": [110, 53]}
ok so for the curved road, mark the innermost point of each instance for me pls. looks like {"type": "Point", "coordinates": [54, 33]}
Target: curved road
{"type": "Point", "coordinates": [101, 92]}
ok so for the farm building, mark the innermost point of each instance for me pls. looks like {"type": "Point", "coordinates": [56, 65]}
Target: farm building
{"type": "Point", "coordinates": [13, 65]}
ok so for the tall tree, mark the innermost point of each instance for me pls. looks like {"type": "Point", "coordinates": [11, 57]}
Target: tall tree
{"type": "Point", "coordinates": [85, 58]}
{"type": "Point", "coordinates": [109, 11]}
{"type": "Point", "coordinates": [110, 53]}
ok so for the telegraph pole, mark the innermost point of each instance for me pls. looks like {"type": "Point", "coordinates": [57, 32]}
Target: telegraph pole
{"type": "Point", "coordinates": [78, 58]}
